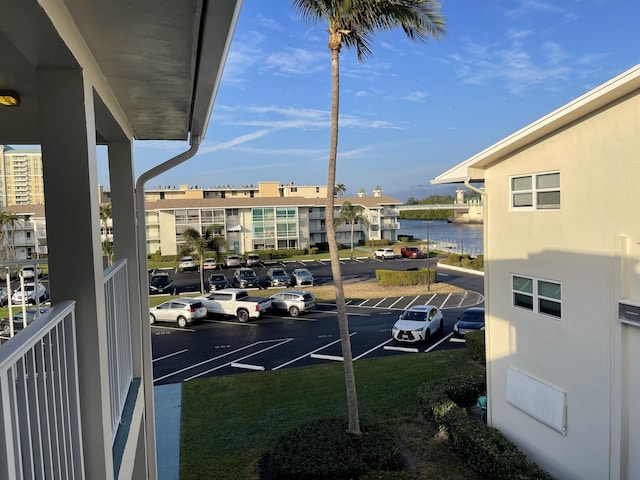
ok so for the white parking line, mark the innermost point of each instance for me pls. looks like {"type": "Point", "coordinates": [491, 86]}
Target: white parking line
{"type": "Point", "coordinates": [401, 349]}
{"type": "Point", "coordinates": [429, 301]}
{"type": "Point", "coordinates": [326, 357]}
{"type": "Point", "coordinates": [445, 301]}
{"type": "Point", "coordinates": [379, 302]}
{"type": "Point", "coordinates": [310, 354]}
{"type": "Point", "coordinates": [170, 355]}
{"type": "Point", "coordinates": [177, 329]}
{"type": "Point", "coordinates": [363, 303]}
{"type": "Point", "coordinates": [371, 350]}
{"type": "Point", "coordinates": [438, 343]}
{"type": "Point", "coordinates": [393, 304]}
{"type": "Point", "coordinates": [413, 301]}
{"type": "Point", "coordinates": [246, 366]}
{"type": "Point", "coordinates": [457, 340]}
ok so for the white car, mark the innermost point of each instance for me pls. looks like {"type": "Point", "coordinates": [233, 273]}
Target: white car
{"type": "Point", "coordinates": [28, 272]}
{"type": "Point", "coordinates": [418, 324]}
{"type": "Point", "coordinates": [186, 263]}
{"type": "Point", "coordinates": [30, 294]}
{"type": "Point", "coordinates": [384, 253]}
{"type": "Point", "coordinates": [302, 276]}
{"type": "Point", "coordinates": [209, 264]}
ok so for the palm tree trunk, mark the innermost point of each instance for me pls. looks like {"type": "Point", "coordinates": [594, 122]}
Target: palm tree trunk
{"type": "Point", "coordinates": [343, 321]}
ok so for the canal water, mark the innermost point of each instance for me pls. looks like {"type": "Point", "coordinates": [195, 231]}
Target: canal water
{"type": "Point", "coordinates": [453, 237]}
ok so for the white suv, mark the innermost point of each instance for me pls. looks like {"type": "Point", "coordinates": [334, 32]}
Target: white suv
{"type": "Point", "coordinates": [385, 253]}
{"type": "Point", "coordinates": [186, 263]}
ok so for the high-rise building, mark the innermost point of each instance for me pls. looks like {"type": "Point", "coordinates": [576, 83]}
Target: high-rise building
{"type": "Point", "coordinates": [21, 181]}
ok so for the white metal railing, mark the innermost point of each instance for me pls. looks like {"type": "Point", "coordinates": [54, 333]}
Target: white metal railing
{"type": "Point", "coordinates": [40, 434]}
{"type": "Point", "coordinates": [116, 294]}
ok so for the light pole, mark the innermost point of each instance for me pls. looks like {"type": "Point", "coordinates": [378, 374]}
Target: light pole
{"type": "Point", "coordinates": [428, 261]}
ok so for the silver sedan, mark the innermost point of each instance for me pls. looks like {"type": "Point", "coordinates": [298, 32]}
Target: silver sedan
{"type": "Point", "coordinates": [293, 301]}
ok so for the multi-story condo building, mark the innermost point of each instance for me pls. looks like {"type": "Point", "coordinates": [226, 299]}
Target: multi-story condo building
{"type": "Point", "coordinates": [21, 176]}
{"type": "Point", "coordinates": [268, 216]}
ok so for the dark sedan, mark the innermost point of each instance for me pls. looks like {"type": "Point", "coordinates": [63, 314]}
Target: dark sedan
{"type": "Point", "coordinates": [471, 319]}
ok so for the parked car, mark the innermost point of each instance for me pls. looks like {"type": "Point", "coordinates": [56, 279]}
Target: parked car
{"type": "Point", "coordinates": [252, 260]}
{"type": "Point", "coordinates": [30, 294]}
{"type": "Point", "coordinates": [160, 282]}
{"type": "Point", "coordinates": [18, 322]}
{"type": "Point", "coordinates": [218, 281]}
{"type": "Point", "coordinates": [293, 301]}
{"type": "Point", "coordinates": [245, 278]}
{"type": "Point", "coordinates": [278, 277]}
{"type": "Point", "coordinates": [29, 272]}
{"type": "Point", "coordinates": [186, 263]}
{"type": "Point", "coordinates": [209, 264]}
{"type": "Point", "coordinates": [182, 311]}
{"type": "Point", "coordinates": [235, 302]}
{"type": "Point", "coordinates": [418, 324]}
{"type": "Point", "coordinates": [384, 253]}
{"type": "Point", "coordinates": [411, 252]}
{"type": "Point", "coordinates": [233, 261]}
{"type": "Point", "coordinates": [471, 319]}
{"type": "Point", "coordinates": [302, 276]}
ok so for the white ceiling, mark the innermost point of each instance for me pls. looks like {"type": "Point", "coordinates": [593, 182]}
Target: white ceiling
{"type": "Point", "coordinates": [156, 64]}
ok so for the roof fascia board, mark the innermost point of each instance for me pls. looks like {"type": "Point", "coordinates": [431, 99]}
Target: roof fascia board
{"type": "Point", "coordinates": [605, 94]}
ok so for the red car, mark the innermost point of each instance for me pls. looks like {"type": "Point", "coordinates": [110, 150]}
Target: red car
{"type": "Point", "coordinates": [411, 252]}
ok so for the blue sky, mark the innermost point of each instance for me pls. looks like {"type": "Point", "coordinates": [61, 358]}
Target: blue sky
{"type": "Point", "coordinates": [412, 110]}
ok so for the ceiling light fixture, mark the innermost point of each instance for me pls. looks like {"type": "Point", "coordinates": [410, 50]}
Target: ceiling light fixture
{"type": "Point", "coordinates": [9, 98]}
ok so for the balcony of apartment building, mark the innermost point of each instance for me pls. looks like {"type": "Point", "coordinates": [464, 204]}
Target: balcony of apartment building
{"type": "Point", "coordinates": [76, 384]}
{"type": "Point", "coordinates": [390, 212]}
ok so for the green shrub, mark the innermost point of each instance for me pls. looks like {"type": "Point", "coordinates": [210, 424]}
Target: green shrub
{"type": "Point", "coordinates": [455, 258]}
{"type": "Point", "coordinates": [405, 277]}
{"type": "Point", "coordinates": [475, 346]}
{"type": "Point", "coordinates": [478, 262]}
{"type": "Point", "coordinates": [444, 402]}
{"type": "Point", "coordinates": [323, 450]}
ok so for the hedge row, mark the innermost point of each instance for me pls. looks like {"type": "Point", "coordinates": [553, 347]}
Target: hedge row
{"type": "Point", "coordinates": [466, 261]}
{"type": "Point", "coordinates": [444, 402]}
{"type": "Point", "coordinates": [475, 345]}
{"type": "Point", "coordinates": [405, 277]}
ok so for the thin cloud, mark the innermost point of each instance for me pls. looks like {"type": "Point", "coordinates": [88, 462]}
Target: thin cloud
{"type": "Point", "coordinates": [527, 7]}
{"type": "Point", "coordinates": [415, 96]}
{"type": "Point", "coordinates": [296, 61]}
{"type": "Point", "coordinates": [235, 141]}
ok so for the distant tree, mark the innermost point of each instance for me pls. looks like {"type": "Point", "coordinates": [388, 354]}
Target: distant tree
{"type": "Point", "coordinates": [340, 189]}
{"type": "Point", "coordinates": [8, 223]}
{"type": "Point", "coordinates": [352, 24]}
{"type": "Point", "coordinates": [201, 243]}
{"type": "Point", "coordinates": [107, 249]}
{"type": "Point", "coordinates": [352, 214]}
{"type": "Point", "coordinates": [106, 212]}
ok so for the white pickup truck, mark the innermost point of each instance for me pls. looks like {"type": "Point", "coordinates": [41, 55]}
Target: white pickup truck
{"type": "Point", "coordinates": [235, 302]}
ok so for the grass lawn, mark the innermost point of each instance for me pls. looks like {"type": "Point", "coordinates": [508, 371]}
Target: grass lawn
{"type": "Point", "coordinates": [229, 422]}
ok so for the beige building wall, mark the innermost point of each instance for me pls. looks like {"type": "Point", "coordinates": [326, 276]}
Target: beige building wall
{"type": "Point", "coordinates": [21, 181]}
{"type": "Point", "coordinates": [591, 245]}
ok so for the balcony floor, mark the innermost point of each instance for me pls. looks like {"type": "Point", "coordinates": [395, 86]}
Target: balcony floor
{"type": "Point", "coordinates": [168, 402]}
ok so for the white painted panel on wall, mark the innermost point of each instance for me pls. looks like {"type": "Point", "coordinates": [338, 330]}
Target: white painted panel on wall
{"type": "Point", "coordinates": [538, 400]}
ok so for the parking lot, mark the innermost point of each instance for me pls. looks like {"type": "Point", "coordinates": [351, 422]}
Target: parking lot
{"type": "Point", "coordinates": [223, 346]}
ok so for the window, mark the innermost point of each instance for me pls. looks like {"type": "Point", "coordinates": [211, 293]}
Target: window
{"type": "Point", "coordinates": [536, 192]}
{"type": "Point", "coordinates": [537, 295]}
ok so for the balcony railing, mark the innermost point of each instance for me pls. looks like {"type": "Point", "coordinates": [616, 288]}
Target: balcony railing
{"type": "Point", "coordinates": [116, 294]}
{"type": "Point", "coordinates": [40, 425]}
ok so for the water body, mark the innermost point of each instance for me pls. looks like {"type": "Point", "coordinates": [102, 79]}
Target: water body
{"type": "Point", "coordinates": [454, 237]}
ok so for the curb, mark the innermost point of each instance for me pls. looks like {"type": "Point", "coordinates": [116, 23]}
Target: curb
{"type": "Point", "coordinates": [446, 266]}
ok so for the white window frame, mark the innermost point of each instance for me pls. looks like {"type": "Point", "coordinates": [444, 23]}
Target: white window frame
{"type": "Point", "coordinates": [534, 191]}
{"type": "Point", "coordinates": [535, 295]}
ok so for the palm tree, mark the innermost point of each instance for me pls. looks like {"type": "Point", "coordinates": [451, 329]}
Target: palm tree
{"type": "Point", "coordinates": [352, 214]}
{"type": "Point", "coordinates": [7, 221]}
{"type": "Point", "coordinates": [339, 189]}
{"type": "Point", "coordinates": [105, 214]}
{"type": "Point", "coordinates": [201, 243]}
{"type": "Point", "coordinates": [352, 23]}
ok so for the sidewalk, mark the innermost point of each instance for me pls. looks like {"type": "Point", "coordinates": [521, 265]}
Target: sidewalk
{"type": "Point", "coordinates": [168, 402]}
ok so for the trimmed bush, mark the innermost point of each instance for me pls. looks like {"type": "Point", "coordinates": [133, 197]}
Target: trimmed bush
{"type": "Point", "coordinates": [323, 450]}
{"type": "Point", "coordinates": [405, 277]}
{"type": "Point", "coordinates": [444, 402]}
{"type": "Point", "coordinates": [475, 346]}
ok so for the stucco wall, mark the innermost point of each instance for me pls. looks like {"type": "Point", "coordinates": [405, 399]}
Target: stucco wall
{"type": "Point", "coordinates": [587, 353]}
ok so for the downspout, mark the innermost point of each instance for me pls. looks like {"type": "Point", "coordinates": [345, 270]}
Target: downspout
{"type": "Point", "coordinates": [487, 328]}
{"type": "Point", "coordinates": [147, 366]}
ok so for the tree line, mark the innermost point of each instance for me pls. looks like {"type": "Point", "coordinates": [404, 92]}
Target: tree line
{"type": "Point", "coordinates": [435, 199]}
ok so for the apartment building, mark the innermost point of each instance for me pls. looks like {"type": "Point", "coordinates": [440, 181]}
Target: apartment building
{"type": "Point", "coordinates": [269, 216]}
{"type": "Point", "coordinates": [21, 176]}
{"type": "Point", "coordinates": [562, 283]}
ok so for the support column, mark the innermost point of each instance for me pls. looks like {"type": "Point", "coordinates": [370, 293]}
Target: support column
{"type": "Point", "coordinates": [125, 245]}
{"type": "Point", "coordinates": [67, 126]}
